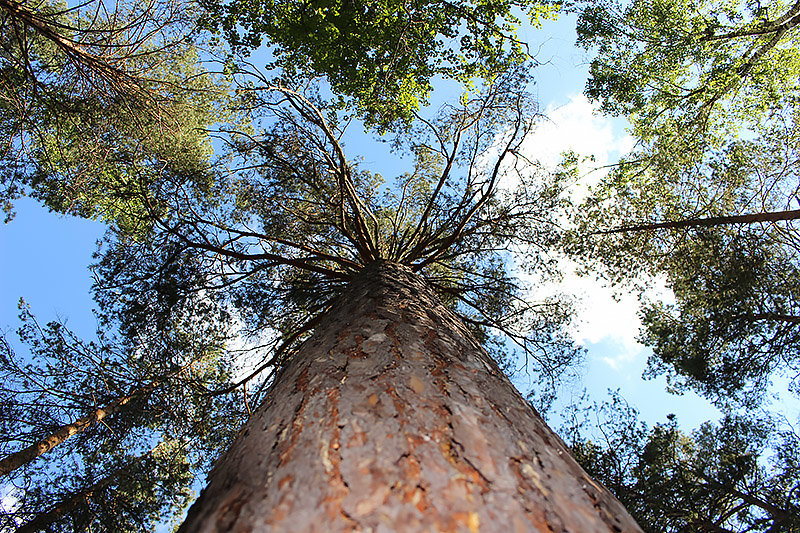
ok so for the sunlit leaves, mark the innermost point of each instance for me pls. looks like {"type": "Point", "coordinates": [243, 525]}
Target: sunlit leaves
{"type": "Point", "coordinates": [382, 54]}
{"type": "Point", "coordinates": [96, 108]}
{"type": "Point", "coordinates": [711, 90]}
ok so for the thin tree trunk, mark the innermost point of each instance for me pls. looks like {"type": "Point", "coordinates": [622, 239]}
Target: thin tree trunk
{"type": "Point", "coordinates": [81, 498]}
{"type": "Point", "coordinates": [38, 23]}
{"type": "Point", "coordinates": [18, 459]}
{"type": "Point", "coordinates": [749, 218]}
{"type": "Point", "coordinates": [392, 418]}
{"type": "Point", "coordinates": [43, 520]}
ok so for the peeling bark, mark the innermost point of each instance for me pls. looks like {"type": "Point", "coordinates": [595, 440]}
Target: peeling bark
{"type": "Point", "coordinates": [392, 418]}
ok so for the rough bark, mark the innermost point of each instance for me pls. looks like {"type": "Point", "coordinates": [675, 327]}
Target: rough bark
{"type": "Point", "coordinates": [392, 418]}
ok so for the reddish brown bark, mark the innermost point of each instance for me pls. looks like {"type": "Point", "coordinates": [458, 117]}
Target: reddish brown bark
{"type": "Point", "coordinates": [392, 418]}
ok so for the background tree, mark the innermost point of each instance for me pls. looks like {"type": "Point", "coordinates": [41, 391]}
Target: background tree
{"type": "Point", "coordinates": [131, 494]}
{"type": "Point", "coordinates": [739, 474]}
{"type": "Point", "coordinates": [711, 92]}
{"type": "Point", "coordinates": [382, 56]}
{"type": "Point", "coordinates": [734, 327]}
{"type": "Point", "coordinates": [99, 98]}
{"type": "Point", "coordinates": [111, 433]}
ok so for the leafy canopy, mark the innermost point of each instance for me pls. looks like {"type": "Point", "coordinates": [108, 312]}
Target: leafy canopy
{"type": "Point", "coordinates": [711, 90]}
{"type": "Point", "coordinates": [383, 54]}
{"type": "Point", "coordinates": [159, 428]}
{"type": "Point", "coordinates": [738, 475]}
{"type": "Point", "coordinates": [96, 102]}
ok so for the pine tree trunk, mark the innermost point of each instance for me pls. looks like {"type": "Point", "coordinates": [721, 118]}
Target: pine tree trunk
{"type": "Point", "coordinates": [392, 418]}
{"type": "Point", "coordinates": [82, 498]}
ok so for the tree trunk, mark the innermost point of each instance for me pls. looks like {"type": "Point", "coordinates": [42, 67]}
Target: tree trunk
{"type": "Point", "coordinates": [45, 519]}
{"type": "Point", "coordinates": [392, 418]}
{"type": "Point", "coordinates": [748, 218]}
{"type": "Point", "coordinates": [80, 498]}
{"type": "Point", "coordinates": [22, 457]}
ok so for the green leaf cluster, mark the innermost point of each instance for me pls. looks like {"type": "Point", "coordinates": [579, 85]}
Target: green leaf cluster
{"type": "Point", "coordinates": [737, 475]}
{"type": "Point", "coordinates": [385, 54]}
{"type": "Point", "coordinates": [136, 466]}
{"type": "Point", "coordinates": [711, 90]}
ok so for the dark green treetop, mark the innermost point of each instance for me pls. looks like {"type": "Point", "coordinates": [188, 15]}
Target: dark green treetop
{"type": "Point", "coordinates": [738, 475]}
{"type": "Point", "coordinates": [734, 326]}
{"type": "Point", "coordinates": [112, 433]}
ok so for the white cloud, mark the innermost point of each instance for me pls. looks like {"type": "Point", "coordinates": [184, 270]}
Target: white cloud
{"type": "Point", "coordinates": [9, 498]}
{"type": "Point", "coordinates": [602, 313]}
{"type": "Point", "coordinates": [577, 126]}
{"type": "Point", "coordinates": [251, 350]}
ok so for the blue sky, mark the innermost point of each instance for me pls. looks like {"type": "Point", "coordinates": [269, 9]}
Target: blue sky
{"type": "Point", "coordinates": [45, 260]}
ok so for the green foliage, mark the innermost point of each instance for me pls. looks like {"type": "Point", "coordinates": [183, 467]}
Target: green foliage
{"type": "Point", "coordinates": [135, 466]}
{"type": "Point", "coordinates": [95, 108]}
{"type": "Point", "coordinates": [383, 54]}
{"type": "Point", "coordinates": [735, 323]}
{"type": "Point", "coordinates": [739, 475]}
{"type": "Point", "coordinates": [130, 494]}
{"type": "Point", "coordinates": [706, 66]}
{"type": "Point", "coordinates": [711, 90]}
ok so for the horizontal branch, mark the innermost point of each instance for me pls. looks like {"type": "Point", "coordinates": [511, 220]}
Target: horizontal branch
{"type": "Point", "coordinates": [749, 218]}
